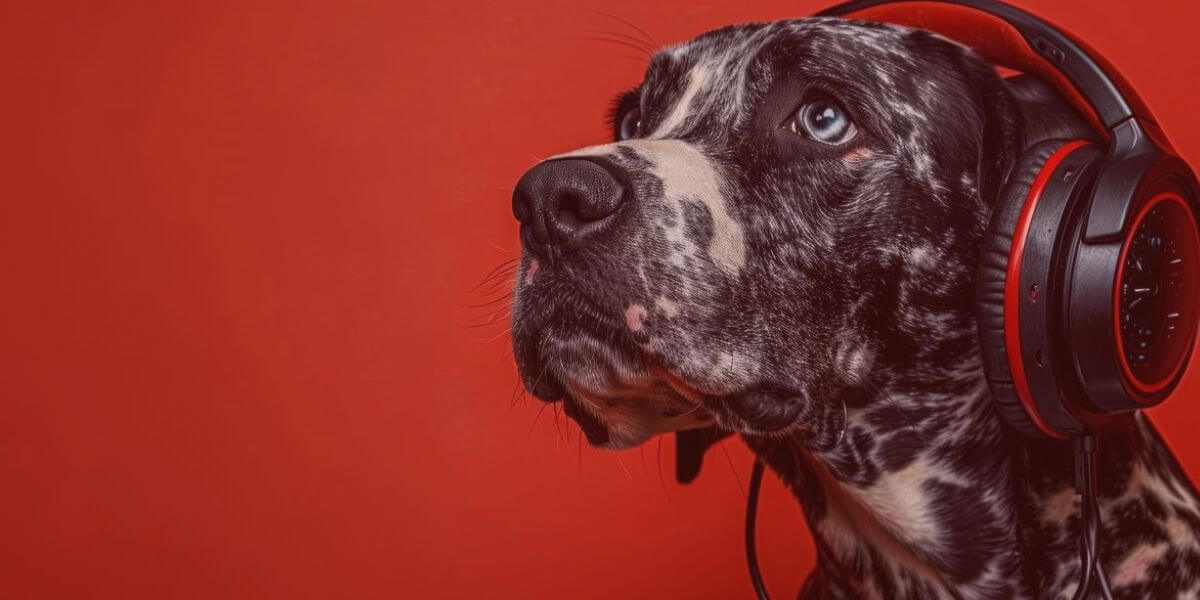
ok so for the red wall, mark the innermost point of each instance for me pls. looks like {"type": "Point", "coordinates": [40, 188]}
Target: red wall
{"type": "Point", "coordinates": [235, 244]}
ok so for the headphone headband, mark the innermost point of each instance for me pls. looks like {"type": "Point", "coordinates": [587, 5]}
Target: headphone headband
{"type": "Point", "coordinates": [1012, 38]}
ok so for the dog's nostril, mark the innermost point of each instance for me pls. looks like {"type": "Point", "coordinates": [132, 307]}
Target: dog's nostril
{"type": "Point", "coordinates": [572, 211]}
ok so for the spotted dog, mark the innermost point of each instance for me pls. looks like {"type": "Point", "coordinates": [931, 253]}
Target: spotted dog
{"type": "Point", "coordinates": [781, 243]}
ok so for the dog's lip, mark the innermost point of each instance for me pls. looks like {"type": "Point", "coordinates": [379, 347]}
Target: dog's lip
{"type": "Point", "coordinates": [680, 386]}
{"type": "Point", "coordinates": [596, 432]}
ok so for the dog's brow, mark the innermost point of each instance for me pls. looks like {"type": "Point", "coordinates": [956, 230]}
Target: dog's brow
{"type": "Point", "coordinates": [697, 77]}
{"type": "Point", "coordinates": [716, 78]}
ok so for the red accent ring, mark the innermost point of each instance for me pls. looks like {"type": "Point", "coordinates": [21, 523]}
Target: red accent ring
{"type": "Point", "coordinates": [1012, 293]}
{"type": "Point", "coordinates": [1141, 391]}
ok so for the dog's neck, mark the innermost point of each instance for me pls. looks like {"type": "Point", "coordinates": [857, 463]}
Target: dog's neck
{"type": "Point", "coordinates": [911, 501]}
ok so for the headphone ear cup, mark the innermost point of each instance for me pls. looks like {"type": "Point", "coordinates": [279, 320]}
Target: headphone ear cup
{"type": "Point", "coordinates": [991, 279]}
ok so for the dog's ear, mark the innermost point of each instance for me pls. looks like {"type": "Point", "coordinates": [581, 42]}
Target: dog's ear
{"type": "Point", "coordinates": [1002, 139]}
{"type": "Point", "coordinates": [1046, 115]}
{"type": "Point", "coordinates": [690, 446]}
{"type": "Point", "coordinates": [1000, 121]}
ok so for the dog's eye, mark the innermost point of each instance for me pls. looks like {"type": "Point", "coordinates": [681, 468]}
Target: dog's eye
{"type": "Point", "coordinates": [631, 124]}
{"type": "Point", "coordinates": [823, 121]}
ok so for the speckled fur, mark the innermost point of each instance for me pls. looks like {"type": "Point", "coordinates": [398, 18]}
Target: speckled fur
{"type": "Point", "coordinates": [818, 300]}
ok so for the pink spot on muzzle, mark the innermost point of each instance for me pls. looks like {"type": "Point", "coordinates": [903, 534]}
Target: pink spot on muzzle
{"type": "Point", "coordinates": [858, 154]}
{"type": "Point", "coordinates": [635, 316]}
{"type": "Point", "coordinates": [534, 265]}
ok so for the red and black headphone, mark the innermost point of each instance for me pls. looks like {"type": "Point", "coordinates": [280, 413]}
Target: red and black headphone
{"type": "Point", "coordinates": [1088, 284]}
{"type": "Point", "coordinates": [1087, 288]}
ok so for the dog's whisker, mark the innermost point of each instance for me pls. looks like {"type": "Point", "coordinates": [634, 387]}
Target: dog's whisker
{"type": "Point", "coordinates": [507, 266]}
{"type": "Point", "coordinates": [518, 391]}
{"type": "Point", "coordinates": [618, 42]}
{"type": "Point", "coordinates": [496, 318]}
{"type": "Point", "coordinates": [491, 306]}
{"type": "Point", "coordinates": [557, 429]}
{"type": "Point", "coordinates": [539, 416]}
{"type": "Point", "coordinates": [623, 467]}
{"type": "Point", "coordinates": [492, 302]}
{"type": "Point", "coordinates": [579, 444]}
{"type": "Point", "coordinates": [503, 287]}
{"type": "Point", "coordinates": [538, 379]}
{"type": "Point", "coordinates": [625, 22]}
{"type": "Point", "coordinates": [729, 461]}
{"type": "Point", "coordinates": [502, 280]}
{"type": "Point", "coordinates": [641, 43]}
{"type": "Point", "coordinates": [504, 277]}
{"type": "Point", "coordinates": [507, 330]}
{"type": "Point", "coordinates": [505, 250]}
{"type": "Point", "coordinates": [658, 462]}
{"type": "Point", "coordinates": [693, 409]}
{"type": "Point", "coordinates": [491, 313]}
{"type": "Point", "coordinates": [484, 325]}
{"type": "Point", "coordinates": [508, 355]}
{"type": "Point", "coordinates": [845, 422]}
{"type": "Point", "coordinates": [503, 265]}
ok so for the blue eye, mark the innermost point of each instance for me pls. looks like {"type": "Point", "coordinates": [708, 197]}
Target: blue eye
{"type": "Point", "coordinates": [823, 121]}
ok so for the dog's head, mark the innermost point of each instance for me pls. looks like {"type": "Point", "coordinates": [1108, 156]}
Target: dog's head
{"type": "Point", "coordinates": [788, 211]}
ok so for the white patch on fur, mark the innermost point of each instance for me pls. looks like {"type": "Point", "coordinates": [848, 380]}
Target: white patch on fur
{"type": "Point", "coordinates": [682, 109]}
{"type": "Point", "coordinates": [1059, 507]}
{"type": "Point", "coordinates": [923, 258]}
{"type": "Point", "coordinates": [668, 307]}
{"type": "Point", "coordinates": [1192, 593]}
{"type": "Point", "coordinates": [1136, 565]}
{"type": "Point", "coordinates": [1179, 532]}
{"type": "Point", "coordinates": [1141, 478]}
{"type": "Point", "coordinates": [595, 151]}
{"type": "Point", "coordinates": [688, 175]}
{"type": "Point", "coordinates": [854, 360]}
{"type": "Point", "coordinates": [899, 499]}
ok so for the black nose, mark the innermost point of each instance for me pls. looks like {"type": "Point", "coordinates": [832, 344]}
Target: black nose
{"type": "Point", "coordinates": [565, 201]}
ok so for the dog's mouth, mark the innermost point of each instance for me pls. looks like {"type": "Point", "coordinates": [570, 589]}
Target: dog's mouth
{"type": "Point", "coordinates": [623, 390]}
{"type": "Point", "coordinates": [619, 394]}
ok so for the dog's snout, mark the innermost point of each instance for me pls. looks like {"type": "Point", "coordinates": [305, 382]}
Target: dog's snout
{"type": "Point", "coordinates": [565, 201]}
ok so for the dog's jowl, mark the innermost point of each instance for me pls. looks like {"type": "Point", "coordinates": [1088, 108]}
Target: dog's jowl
{"type": "Point", "coordinates": [781, 243]}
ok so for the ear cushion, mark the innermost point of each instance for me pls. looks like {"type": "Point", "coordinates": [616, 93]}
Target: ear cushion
{"type": "Point", "coordinates": [990, 284]}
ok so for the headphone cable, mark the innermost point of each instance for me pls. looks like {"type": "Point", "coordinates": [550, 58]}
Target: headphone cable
{"type": "Point", "coordinates": [1089, 519]}
{"type": "Point", "coordinates": [756, 476]}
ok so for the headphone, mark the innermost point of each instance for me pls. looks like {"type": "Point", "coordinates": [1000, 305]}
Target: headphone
{"type": "Point", "coordinates": [1087, 289]}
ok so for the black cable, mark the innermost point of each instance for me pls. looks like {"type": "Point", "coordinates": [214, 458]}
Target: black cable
{"type": "Point", "coordinates": [1102, 578]}
{"type": "Point", "coordinates": [1087, 554]}
{"type": "Point", "coordinates": [1089, 519]}
{"type": "Point", "coordinates": [756, 476]}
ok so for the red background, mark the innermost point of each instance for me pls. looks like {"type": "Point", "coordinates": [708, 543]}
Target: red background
{"type": "Point", "coordinates": [236, 241]}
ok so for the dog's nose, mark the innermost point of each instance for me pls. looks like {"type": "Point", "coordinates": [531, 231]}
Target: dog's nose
{"type": "Point", "coordinates": [565, 201]}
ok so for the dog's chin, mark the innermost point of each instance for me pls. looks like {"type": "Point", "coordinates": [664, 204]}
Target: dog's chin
{"type": "Point", "coordinates": [616, 394]}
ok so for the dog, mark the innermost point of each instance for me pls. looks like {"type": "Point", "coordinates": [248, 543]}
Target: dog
{"type": "Point", "coordinates": [781, 242]}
